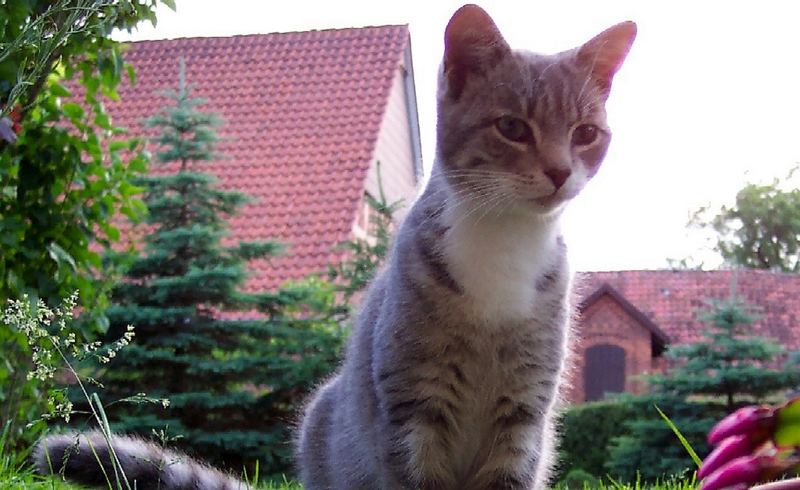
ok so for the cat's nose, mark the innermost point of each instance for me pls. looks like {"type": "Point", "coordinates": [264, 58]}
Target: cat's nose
{"type": "Point", "coordinates": [558, 176]}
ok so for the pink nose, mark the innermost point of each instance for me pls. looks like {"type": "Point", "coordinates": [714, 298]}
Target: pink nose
{"type": "Point", "coordinates": [558, 176]}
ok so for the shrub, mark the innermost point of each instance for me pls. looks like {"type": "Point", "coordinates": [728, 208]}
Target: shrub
{"type": "Point", "coordinates": [578, 480]}
{"type": "Point", "coordinates": [649, 450]}
{"type": "Point", "coordinates": [586, 432]}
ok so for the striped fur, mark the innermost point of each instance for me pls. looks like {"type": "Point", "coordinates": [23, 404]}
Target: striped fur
{"type": "Point", "coordinates": [146, 465]}
{"type": "Point", "coordinates": [452, 374]}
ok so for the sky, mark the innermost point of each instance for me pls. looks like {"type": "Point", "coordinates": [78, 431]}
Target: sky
{"type": "Point", "coordinates": [707, 101]}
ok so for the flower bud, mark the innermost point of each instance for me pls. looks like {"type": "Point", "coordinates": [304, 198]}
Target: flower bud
{"type": "Point", "coordinates": [745, 470]}
{"type": "Point", "coordinates": [757, 422]}
{"type": "Point", "coordinates": [731, 448]}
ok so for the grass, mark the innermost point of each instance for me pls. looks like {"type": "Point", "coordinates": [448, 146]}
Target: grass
{"type": "Point", "coordinates": [25, 479]}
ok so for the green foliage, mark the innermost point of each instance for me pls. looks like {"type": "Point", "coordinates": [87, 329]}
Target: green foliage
{"type": "Point", "coordinates": [726, 369]}
{"type": "Point", "coordinates": [762, 230]}
{"type": "Point", "coordinates": [586, 433]}
{"type": "Point", "coordinates": [728, 363]}
{"type": "Point", "coordinates": [578, 480]}
{"type": "Point", "coordinates": [64, 178]}
{"type": "Point", "coordinates": [650, 450]}
{"type": "Point", "coordinates": [365, 256]}
{"type": "Point", "coordinates": [234, 380]}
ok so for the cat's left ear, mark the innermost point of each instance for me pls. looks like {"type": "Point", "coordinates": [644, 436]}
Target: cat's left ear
{"type": "Point", "coordinates": [604, 54]}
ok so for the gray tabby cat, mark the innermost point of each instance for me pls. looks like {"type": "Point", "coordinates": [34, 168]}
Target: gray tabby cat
{"type": "Point", "coordinates": [452, 375]}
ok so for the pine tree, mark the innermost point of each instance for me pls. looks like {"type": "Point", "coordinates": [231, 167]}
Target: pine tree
{"type": "Point", "coordinates": [233, 385]}
{"type": "Point", "coordinates": [709, 378]}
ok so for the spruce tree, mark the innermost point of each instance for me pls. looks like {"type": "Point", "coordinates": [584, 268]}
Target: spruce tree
{"type": "Point", "coordinates": [233, 385]}
{"type": "Point", "coordinates": [728, 368]}
{"type": "Point", "coordinates": [729, 364]}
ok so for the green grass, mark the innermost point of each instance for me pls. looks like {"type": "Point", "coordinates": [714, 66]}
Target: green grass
{"type": "Point", "coordinates": [25, 479]}
{"type": "Point", "coordinates": [671, 485]}
{"type": "Point", "coordinates": [21, 478]}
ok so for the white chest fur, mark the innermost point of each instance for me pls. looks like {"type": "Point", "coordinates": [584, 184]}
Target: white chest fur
{"type": "Point", "coordinates": [497, 261]}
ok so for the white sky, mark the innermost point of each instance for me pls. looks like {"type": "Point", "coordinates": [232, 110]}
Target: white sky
{"type": "Point", "coordinates": [708, 99]}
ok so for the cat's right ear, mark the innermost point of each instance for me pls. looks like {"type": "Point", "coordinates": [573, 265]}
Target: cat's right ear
{"type": "Point", "coordinates": [472, 45]}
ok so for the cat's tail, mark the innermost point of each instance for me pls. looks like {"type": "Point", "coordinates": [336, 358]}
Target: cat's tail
{"type": "Point", "coordinates": [85, 458]}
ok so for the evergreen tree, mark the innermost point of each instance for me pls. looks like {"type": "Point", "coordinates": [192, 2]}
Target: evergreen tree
{"type": "Point", "coordinates": [233, 385]}
{"type": "Point", "coordinates": [726, 369]}
{"type": "Point", "coordinates": [729, 364]}
{"type": "Point", "coordinates": [364, 256]}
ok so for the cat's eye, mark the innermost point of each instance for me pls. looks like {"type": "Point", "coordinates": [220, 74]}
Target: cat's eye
{"type": "Point", "coordinates": [585, 134]}
{"type": "Point", "coordinates": [514, 129]}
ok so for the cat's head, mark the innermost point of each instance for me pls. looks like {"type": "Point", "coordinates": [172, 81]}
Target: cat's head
{"type": "Point", "coordinates": [520, 130]}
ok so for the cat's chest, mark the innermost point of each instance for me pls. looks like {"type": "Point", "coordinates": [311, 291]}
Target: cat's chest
{"type": "Point", "coordinates": [499, 266]}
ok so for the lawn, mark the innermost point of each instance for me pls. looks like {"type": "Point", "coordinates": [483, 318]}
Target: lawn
{"type": "Point", "coordinates": [26, 480]}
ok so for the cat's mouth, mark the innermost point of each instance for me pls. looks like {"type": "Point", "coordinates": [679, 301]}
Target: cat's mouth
{"type": "Point", "coordinates": [548, 200]}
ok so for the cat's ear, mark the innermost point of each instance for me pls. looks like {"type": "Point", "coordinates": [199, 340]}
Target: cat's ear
{"type": "Point", "coordinates": [604, 54]}
{"type": "Point", "coordinates": [472, 44]}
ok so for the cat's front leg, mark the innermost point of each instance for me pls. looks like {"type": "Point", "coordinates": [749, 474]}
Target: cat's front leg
{"type": "Point", "coordinates": [420, 421]}
{"type": "Point", "coordinates": [514, 452]}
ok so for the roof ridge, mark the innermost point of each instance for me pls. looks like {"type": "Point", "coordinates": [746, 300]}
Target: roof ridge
{"type": "Point", "coordinates": [276, 33]}
{"type": "Point", "coordinates": [693, 271]}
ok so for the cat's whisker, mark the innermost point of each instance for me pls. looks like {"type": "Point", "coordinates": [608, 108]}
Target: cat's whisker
{"type": "Point", "coordinates": [469, 172]}
{"type": "Point", "coordinates": [466, 190]}
{"type": "Point", "coordinates": [480, 204]}
{"type": "Point", "coordinates": [478, 190]}
{"type": "Point", "coordinates": [498, 203]}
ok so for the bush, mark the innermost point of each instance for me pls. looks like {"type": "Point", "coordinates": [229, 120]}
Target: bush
{"type": "Point", "coordinates": [649, 450]}
{"type": "Point", "coordinates": [586, 433]}
{"type": "Point", "coordinates": [578, 480]}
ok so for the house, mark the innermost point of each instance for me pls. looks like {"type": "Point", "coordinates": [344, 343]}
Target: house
{"type": "Point", "coordinates": [628, 318]}
{"type": "Point", "coordinates": [307, 116]}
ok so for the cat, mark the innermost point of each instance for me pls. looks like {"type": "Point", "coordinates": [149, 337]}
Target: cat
{"type": "Point", "coordinates": [452, 373]}
{"type": "Point", "coordinates": [451, 376]}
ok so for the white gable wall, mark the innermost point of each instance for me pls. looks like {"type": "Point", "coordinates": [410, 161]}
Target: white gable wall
{"type": "Point", "coordinates": [397, 148]}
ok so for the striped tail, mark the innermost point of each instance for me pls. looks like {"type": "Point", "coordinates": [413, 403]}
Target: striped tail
{"type": "Point", "coordinates": [84, 458]}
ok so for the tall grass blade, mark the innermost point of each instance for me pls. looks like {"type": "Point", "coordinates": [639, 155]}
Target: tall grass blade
{"type": "Point", "coordinates": [684, 442]}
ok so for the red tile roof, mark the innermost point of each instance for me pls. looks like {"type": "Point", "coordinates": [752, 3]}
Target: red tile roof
{"type": "Point", "coordinates": [672, 299]}
{"type": "Point", "coordinates": [301, 112]}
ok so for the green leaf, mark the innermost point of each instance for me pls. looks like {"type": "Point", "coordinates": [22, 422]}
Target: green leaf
{"type": "Point", "coordinates": [59, 255]}
{"type": "Point", "coordinates": [73, 110]}
{"type": "Point", "coordinates": [684, 442]}
{"type": "Point", "coordinates": [59, 90]}
{"type": "Point", "coordinates": [131, 74]}
{"type": "Point", "coordinates": [170, 4]}
{"type": "Point", "coordinates": [787, 432]}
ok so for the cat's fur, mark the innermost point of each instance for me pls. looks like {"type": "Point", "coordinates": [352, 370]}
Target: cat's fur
{"type": "Point", "coordinates": [452, 374]}
{"type": "Point", "coordinates": [146, 465]}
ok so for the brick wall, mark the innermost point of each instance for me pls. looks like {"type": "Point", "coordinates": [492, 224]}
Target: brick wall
{"type": "Point", "coordinates": [606, 322]}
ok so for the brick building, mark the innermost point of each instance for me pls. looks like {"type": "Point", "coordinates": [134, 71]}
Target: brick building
{"type": "Point", "coordinates": [628, 318]}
